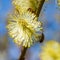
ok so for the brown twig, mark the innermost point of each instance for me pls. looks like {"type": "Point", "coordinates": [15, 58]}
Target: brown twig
{"type": "Point", "coordinates": [22, 57]}
{"type": "Point", "coordinates": [40, 7]}
{"type": "Point", "coordinates": [38, 12]}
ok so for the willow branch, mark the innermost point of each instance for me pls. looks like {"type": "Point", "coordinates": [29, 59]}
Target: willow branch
{"type": "Point", "coordinates": [40, 7]}
{"type": "Point", "coordinates": [22, 57]}
{"type": "Point", "coordinates": [38, 12]}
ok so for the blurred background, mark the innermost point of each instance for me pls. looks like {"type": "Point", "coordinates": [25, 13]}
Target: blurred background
{"type": "Point", "coordinates": [50, 17]}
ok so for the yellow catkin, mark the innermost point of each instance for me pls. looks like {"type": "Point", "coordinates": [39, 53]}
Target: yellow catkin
{"type": "Point", "coordinates": [24, 5]}
{"type": "Point", "coordinates": [23, 28]}
{"type": "Point", "coordinates": [50, 51]}
{"type": "Point", "coordinates": [58, 2]}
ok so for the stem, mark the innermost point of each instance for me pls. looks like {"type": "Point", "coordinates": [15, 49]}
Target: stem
{"type": "Point", "coordinates": [40, 7]}
{"type": "Point", "coordinates": [38, 12]}
{"type": "Point", "coordinates": [22, 57]}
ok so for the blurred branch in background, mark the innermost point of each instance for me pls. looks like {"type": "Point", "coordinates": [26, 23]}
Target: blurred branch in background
{"type": "Point", "coordinates": [3, 47]}
{"type": "Point", "coordinates": [3, 42]}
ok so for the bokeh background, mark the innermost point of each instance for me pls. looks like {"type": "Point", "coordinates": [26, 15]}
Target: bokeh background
{"type": "Point", "coordinates": [50, 17]}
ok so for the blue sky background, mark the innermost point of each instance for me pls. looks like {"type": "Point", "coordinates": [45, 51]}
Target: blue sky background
{"type": "Point", "coordinates": [51, 28]}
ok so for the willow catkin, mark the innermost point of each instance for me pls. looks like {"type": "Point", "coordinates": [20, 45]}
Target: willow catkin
{"type": "Point", "coordinates": [58, 3]}
{"type": "Point", "coordinates": [50, 51]}
{"type": "Point", "coordinates": [23, 25]}
{"type": "Point", "coordinates": [24, 5]}
{"type": "Point", "coordinates": [23, 28]}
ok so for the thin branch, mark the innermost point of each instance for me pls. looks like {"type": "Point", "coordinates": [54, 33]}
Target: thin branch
{"type": "Point", "coordinates": [38, 12]}
{"type": "Point", "coordinates": [40, 7]}
{"type": "Point", "coordinates": [22, 57]}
